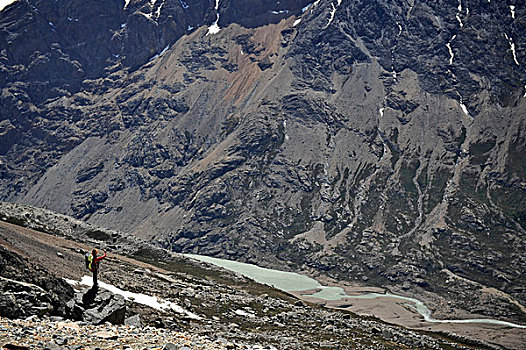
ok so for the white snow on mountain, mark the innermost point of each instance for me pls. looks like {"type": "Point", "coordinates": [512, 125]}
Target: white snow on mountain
{"type": "Point", "coordinates": [4, 3]}
{"type": "Point", "coordinates": [214, 28]}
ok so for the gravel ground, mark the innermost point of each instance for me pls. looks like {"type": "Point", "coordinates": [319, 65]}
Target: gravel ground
{"type": "Point", "coordinates": [35, 333]}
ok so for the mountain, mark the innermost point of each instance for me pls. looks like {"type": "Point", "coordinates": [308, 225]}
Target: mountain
{"type": "Point", "coordinates": [375, 142]}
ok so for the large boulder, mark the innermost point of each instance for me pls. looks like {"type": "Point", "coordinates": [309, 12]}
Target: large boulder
{"type": "Point", "coordinates": [20, 299]}
{"type": "Point", "coordinates": [98, 307]}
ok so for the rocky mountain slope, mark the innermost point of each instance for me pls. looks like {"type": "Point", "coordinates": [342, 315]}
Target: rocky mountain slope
{"type": "Point", "coordinates": [379, 141]}
{"type": "Point", "coordinates": [220, 310]}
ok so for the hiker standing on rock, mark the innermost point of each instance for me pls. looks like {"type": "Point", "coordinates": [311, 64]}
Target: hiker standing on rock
{"type": "Point", "coordinates": [93, 264]}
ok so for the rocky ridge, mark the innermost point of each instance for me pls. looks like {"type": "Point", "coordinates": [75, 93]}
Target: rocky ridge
{"type": "Point", "coordinates": [370, 141]}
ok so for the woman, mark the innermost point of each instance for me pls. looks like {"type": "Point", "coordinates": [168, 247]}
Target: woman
{"type": "Point", "coordinates": [94, 264]}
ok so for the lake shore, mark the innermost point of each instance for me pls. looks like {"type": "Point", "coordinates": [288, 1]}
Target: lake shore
{"type": "Point", "coordinates": [398, 312]}
{"type": "Point", "coordinates": [397, 308]}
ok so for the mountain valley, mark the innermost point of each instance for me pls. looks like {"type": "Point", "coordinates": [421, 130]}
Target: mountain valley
{"type": "Point", "coordinates": [375, 143]}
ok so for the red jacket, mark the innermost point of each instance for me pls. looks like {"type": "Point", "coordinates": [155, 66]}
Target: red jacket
{"type": "Point", "coordinates": [95, 262]}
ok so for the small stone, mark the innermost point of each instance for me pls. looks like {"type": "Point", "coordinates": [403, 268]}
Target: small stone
{"type": "Point", "coordinates": [106, 335]}
{"type": "Point", "coordinates": [170, 346]}
{"type": "Point", "coordinates": [60, 255]}
{"type": "Point", "coordinates": [134, 321]}
{"type": "Point", "coordinates": [61, 341]}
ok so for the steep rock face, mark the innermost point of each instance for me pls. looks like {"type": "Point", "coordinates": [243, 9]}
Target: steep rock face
{"type": "Point", "coordinates": [50, 51]}
{"type": "Point", "coordinates": [373, 141]}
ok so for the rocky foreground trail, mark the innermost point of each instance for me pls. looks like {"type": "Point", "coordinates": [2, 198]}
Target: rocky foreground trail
{"type": "Point", "coordinates": [38, 333]}
{"type": "Point", "coordinates": [149, 298]}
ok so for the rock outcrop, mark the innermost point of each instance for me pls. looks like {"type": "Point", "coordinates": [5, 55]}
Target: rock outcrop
{"type": "Point", "coordinates": [97, 306]}
{"type": "Point", "coordinates": [29, 289]}
{"type": "Point", "coordinates": [19, 299]}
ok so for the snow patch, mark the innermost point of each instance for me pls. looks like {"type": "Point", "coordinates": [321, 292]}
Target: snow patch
{"type": "Point", "coordinates": [512, 47]}
{"type": "Point", "coordinates": [451, 54]}
{"type": "Point", "coordinates": [296, 22]}
{"type": "Point", "coordinates": [184, 4]}
{"type": "Point", "coordinates": [123, 25]}
{"type": "Point", "coordinates": [214, 28]}
{"type": "Point", "coordinates": [399, 28]}
{"type": "Point", "coordinates": [160, 53]}
{"type": "Point", "coordinates": [4, 3]}
{"type": "Point", "coordinates": [158, 12]}
{"type": "Point", "coordinates": [457, 16]}
{"type": "Point", "coordinates": [189, 28]}
{"type": "Point", "coordinates": [464, 109]}
{"type": "Point", "coordinates": [279, 12]}
{"type": "Point", "coordinates": [331, 18]}
{"type": "Point", "coordinates": [52, 25]}
{"type": "Point", "coordinates": [381, 110]}
{"type": "Point", "coordinates": [151, 301]}
{"type": "Point", "coordinates": [306, 8]}
{"type": "Point", "coordinates": [126, 3]}
{"type": "Point", "coordinates": [462, 105]}
{"type": "Point", "coordinates": [459, 21]}
{"type": "Point", "coordinates": [512, 9]}
{"type": "Point", "coordinates": [339, 2]}
{"type": "Point", "coordinates": [164, 50]}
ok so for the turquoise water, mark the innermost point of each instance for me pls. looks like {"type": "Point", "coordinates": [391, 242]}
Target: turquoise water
{"type": "Point", "coordinates": [294, 282]}
{"type": "Point", "coordinates": [287, 281]}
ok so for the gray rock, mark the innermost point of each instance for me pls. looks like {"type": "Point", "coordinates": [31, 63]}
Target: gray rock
{"type": "Point", "coordinates": [134, 321]}
{"type": "Point", "coordinates": [20, 299]}
{"type": "Point", "coordinates": [100, 307]}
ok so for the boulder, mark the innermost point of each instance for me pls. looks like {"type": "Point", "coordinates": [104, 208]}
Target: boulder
{"type": "Point", "coordinates": [20, 299]}
{"type": "Point", "coordinates": [97, 307]}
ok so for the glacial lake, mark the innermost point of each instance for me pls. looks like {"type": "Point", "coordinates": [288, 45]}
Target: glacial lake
{"type": "Point", "coordinates": [294, 282]}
